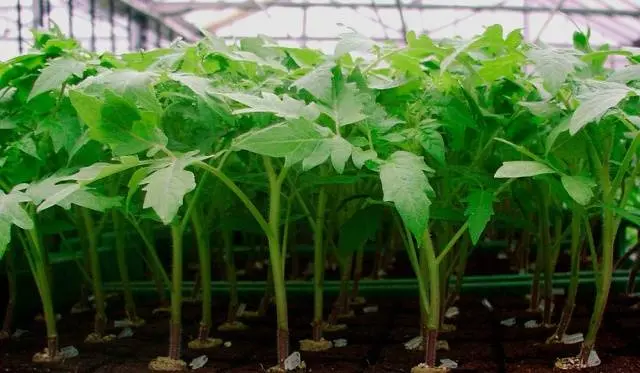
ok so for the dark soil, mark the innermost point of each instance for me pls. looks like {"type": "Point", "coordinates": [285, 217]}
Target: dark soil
{"type": "Point", "coordinates": [375, 340]}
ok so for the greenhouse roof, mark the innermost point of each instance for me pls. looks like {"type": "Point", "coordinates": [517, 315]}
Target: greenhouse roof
{"type": "Point", "coordinates": [320, 22]}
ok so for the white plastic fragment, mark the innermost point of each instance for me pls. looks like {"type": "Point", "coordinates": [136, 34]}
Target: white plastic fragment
{"type": "Point", "coordinates": [485, 302]}
{"type": "Point", "coordinates": [508, 322]}
{"type": "Point", "coordinates": [570, 339]}
{"type": "Point", "coordinates": [413, 343]}
{"type": "Point", "coordinates": [125, 333]}
{"type": "Point", "coordinates": [69, 352]}
{"type": "Point", "coordinates": [259, 265]}
{"type": "Point", "coordinates": [557, 291]}
{"type": "Point", "coordinates": [241, 272]}
{"type": "Point", "coordinates": [452, 312]}
{"type": "Point", "coordinates": [448, 363]}
{"type": "Point", "coordinates": [58, 317]}
{"type": "Point", "coordinates": [19, 333]}
{"type": "Point", "coordinates": [293, 361]}
{"type": "Point", "coordinates": [382, 273]}
{"type": "Point", "coordinates": [227, 344]}
{"type": "Point", "coordinates": [91, 298]}
{"type": "Point", "coordinates": [241, 308]}
{"type": "Point", "coordinates": [594, 359]}
{"type": "Point", "coordinates": [531, 324]}
{"type": "Point", "coordinates": [502, 255]}
{"type": "Point", "coordinates": [541, 307]}
{"type": "Point", "coordinates": [198, 362]}
{"type": "Point", "coordinates": [370, 309]}
{"type": "Point", "coordinates": [340, 342]}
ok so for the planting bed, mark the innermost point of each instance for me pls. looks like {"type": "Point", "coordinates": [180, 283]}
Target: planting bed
{"type": "Point", "coordinates": [375, 340]}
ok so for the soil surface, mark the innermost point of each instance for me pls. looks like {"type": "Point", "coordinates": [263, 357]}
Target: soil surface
{"type": "Point", "coordinates": [375, 340]}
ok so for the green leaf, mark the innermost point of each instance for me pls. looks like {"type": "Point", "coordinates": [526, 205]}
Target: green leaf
{"type": "Point", "coordinates": [433, 143]}
{"type": "Point", "coordinates": [134, 184]}
{"type": "Point", "coordinates": [199, 85]}
{"type": "Point", "coordinates": [515, 169]}
{"type": "Point", "coordinates": [596, 105]}
{"type": "Point", "coordinates": [167, 184]}
{"type": "Point", "coordinates": [88, 107]}
{"type": "Point", "coordinates": [405, 184]}
{"type": "Point", "coordinates": [318, 82]}
{"type": "Point", "coordinates": [353, 42]}
{"type": "Point", "coordinates": [285, 107]}
{"type": "Point", "coordinates": [55, 74]}
{"type": "Point", "coordinates": [479, 210]}
{"type": "Point", "coordinates": [347, 106]}
{"type": "Point", "coordinates": [358, 229]}
{"type": "Point", "coordinates": [579, 188]}
{"type": "Point", "coordinates": [626, 74]}
{"type": "Point", "coordinates": [102, 170]}
{"type": "Point", "coordinates": [63, 131]}
{"type": "Point", "coordinates": [69, 194]}
{"type": "Point", "coordinates": [294, 140]}
{"type": "Point", "coordinates": [554, 66]}
{"type": "Point", "coordinates": [28, 146]}
{"type": "Point", "coordinates": [12, 212]}
{"type": "Point", "coordinates": [542, 109]}
{"type": "Point", "coordinates": [135, 86]}
{"type": "Point", "coordinates": [360, 156]}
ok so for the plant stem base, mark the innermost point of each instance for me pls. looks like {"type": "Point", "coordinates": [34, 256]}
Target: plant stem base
{"type": "Point", "coordinates": [329, 328]}
{"type": "Point", "coordinates": [97, 338]}
{"type": "Point", "coordinates": [166, 364]}
{"type": "Point", "coordinates": [45, 358]}
{"type": "Point", "coordinates": [233, 326]}
{"type": "Point", "coordinates": [315, 346]}
{"type": "Point", "coordinates": [276, 369]}
{"type": "Point", "coordinates": [440, 346]}
{"type": "Point", "coordinates": [424, 368]}
{"type": "Point", "coordinates": [569, 363]}
{"type": "Point", "coordinates": [198, 344]}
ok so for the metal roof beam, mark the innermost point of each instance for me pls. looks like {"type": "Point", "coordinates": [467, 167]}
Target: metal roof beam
{"type": "Point", "coordinates": [178, 25]}
{"type": "Point", "coordinates": [178, 8]}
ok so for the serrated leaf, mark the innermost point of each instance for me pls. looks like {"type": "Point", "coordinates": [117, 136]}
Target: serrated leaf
{"type": "Point", "coordinates": [405, 184]}
{"type": "Point", "coordinates": [101, 170]}
{"type": "Point", "coordinates": [353, 42]}
{"type": "Point", "coordinates": [579, 188]}
{"type": "Point", "coordinates": [167, 185]}
{"type": "Point", "coordinates": [479, 210]}
{"type": "Point", "coordinates": [134, 183]}
{"type": "Point", "coordinates": [28, 146]}
{"type": "Point", "coordinates": [596, 106]}
{"type": "Point", "coordinates": [55, 74]}
{"type": "Point", "coordinates": [358, 229]}
{"type": "Point", "coordinates": [516, 169]}
{"type": "Point", "coordinates": [626, 74]}
{"type": "Point", "coordinates": [360, 156]}
{"type": "Point", "coordinates": [294, 140]}
{"type": "Point", "coordinates": [135, 86]}
{"type": "Point", "coordinates": [318, 82]}
{"type": "Point", "coordinates": [11, 212]}
{"type": "Point", "coordinates": [285, 107]}
{"type": "Point", "coordinates": [554, 66]}
{"type": "Point", "coordinates": [199, 85]}
{"type": "Point", "coordinates": [555, 132]}
{"type": "Point", "coordinates": [433, 143]}
{"type": "Point", "coordinates": [347, 106]}
{"type": "Point", "coordinates": [542, 109]}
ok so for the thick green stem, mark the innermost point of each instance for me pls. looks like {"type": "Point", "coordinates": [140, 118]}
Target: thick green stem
{"type": "Point", "coordinates": [204, 254]}
{"type": "Point", "coordinates": [121, 255]}
{"type": "Point", "coordinates": [548, 260]}
{"type": "Point", "coordinates": [158, 272]}
{"type": "Point", "coordinates": [13, 287]}
{"type": "Point", "coordinates": [319, 258]}
{"type": "Point", "coordinates": [275, 186]}
{"type": "Point", "coordinates": [230, 271]}
{"type": "Point", "coordinates": [42, 280]}
{"type": "Point", "coordinates": [433, 316]}
{"type": "Point", "coordinates": [606, 274]}
{"type": "Point", "coordinates": [96, 272]}
{"type": "Point", "coordinates": [175, 327]}
{"type": "Point", "coordinates": [569, 305]}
